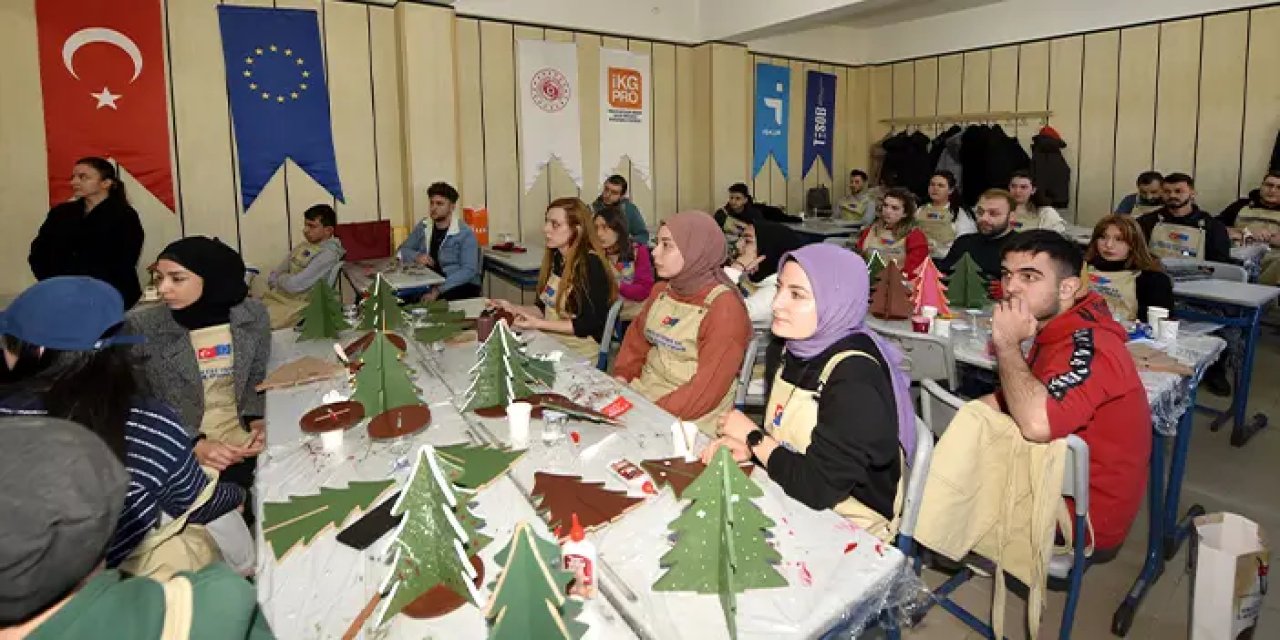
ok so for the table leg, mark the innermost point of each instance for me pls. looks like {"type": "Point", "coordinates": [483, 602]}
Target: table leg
{"type": "Point", "coordinates": [1242, 432]}
{"type": "Point", "coordinates": [1153, 567]}
{"type": "Point", "coordinates": [1176, 531]}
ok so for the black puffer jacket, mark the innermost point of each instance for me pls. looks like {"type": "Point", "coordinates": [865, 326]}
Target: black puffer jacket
{"type": "Point", "coordinates": [1049, 168]}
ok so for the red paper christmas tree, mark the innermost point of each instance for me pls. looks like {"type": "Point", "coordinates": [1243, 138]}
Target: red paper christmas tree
{"type": "Point", "coordinates": [929, 290]}
{"type": "Point", "coordinates": [890, 300]}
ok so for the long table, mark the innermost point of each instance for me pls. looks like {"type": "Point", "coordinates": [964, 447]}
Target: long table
{"type": "Point", "coordinates": [520, 269]}
{"type": "Point", "coordinates": [407, 280]}
{"type": "Point", "coordinates": [838, 575]}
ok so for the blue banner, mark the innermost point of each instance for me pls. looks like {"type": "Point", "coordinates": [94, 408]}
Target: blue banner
{"type": "Point", "coordinates": [773, 93]}
{"type": "Point", "coordinates": [819, 119]}
{"type": "Point", "coordinates": [279, 98]}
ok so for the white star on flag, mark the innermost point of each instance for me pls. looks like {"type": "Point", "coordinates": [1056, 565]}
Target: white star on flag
{"type": "Point", "coordinates": [106, 98]}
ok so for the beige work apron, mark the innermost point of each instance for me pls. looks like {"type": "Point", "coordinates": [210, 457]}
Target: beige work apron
{"type": "Point", "coordinates": [1177, 241]}
{"type": "Point", "coordinates": [1024, 220]}
{"type": "Point", "coordinates": [880, 240]}
{"type": "Point", "coordinates": [937, 225]}
{"type": "Point", "coordinates": [1119, 289]}
{"type": "Point", "coordinates": [855, 208]}
{"type": "Point", "coordinates": [586, 347]}
{"type": "Point", "coordinates": [794, 416]}
{"type": "Point", "coordinates": [283, 308]}
{"type": "Point", "coordinates": [215, 358]}
{"type": "Point", "coordinates": [1254, 220]}
{"type": "Point", "coordinates": [672, 329]}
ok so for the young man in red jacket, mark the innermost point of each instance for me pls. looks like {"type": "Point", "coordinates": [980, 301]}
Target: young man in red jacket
{"type": "Point", "coordinates": [1077, 378]}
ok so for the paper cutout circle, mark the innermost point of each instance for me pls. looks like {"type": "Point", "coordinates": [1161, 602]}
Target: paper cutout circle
{"type": "Point", "coordinates": [332, 416]}
{"type": "Point", "coordinates": [400, 421]}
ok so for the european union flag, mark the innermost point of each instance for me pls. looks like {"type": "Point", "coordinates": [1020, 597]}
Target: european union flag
{"type": "Point", "coordinates": [279, 99]}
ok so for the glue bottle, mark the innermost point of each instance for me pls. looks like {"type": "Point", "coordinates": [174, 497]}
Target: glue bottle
{"type": "Point", "coordinates": [578, 555]}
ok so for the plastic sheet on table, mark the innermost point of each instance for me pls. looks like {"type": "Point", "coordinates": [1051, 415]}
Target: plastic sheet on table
{"type": "Point", "coordinates": [839, 576]}
{"type": "Point", "coordinates": [1170, 394]}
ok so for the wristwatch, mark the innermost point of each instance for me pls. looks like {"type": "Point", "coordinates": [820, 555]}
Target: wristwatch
{"type": "Point", "coordinates": [755, 438]}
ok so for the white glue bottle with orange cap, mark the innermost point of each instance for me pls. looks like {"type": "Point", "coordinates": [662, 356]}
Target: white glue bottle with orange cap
{"type": "Point", "coordinates": [578, 555]}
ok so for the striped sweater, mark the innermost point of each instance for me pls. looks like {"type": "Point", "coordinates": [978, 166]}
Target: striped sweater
{"type": "Point", "coordinates": [163, 473]}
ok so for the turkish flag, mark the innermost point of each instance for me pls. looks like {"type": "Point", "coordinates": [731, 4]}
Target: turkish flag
{"type": "Point", "coordinates": [102, 70]}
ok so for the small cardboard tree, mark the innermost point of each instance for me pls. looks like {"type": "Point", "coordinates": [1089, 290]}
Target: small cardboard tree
{"type": "Point", "coordinates": [528, 598]}
{"type": "Point", "coordinates": [890, 300]}
{"type": "Point", "coordinates": [720, 545]}
{"type": "Point", "coordinates": [928, 290]}
{"type": "Point", "coordinates": [560, 497]}
{"type": "Point", "coordinates": [875, 265]}
{"type": "Point", "coordinates": [301, 519]}
{"type": "Point", "coordinates": [322, 317]}
{"type": "Point", "coordinates": [477, 466]}
{"type": "Point", "coordinates": [503, 373]}
{"type": "Point", "coordinates": [432, 544]}
{"type": "Point", "coordinates": [967, 289]}
{"type": "Point", "coordinates": [383, 381]}
{"type": "Point", "coordinates": [381, 308]}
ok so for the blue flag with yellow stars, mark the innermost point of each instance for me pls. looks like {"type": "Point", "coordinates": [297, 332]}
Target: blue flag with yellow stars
{"type": "Point", "coordinates": [279, 99]}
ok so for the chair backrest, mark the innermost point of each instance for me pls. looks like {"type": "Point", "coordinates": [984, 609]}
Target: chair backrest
{"type": "Point", "coordinates": [334, 272]}
{"type": "Point", "coordinates": [926, 356]}
{"type": "Point", "coordinates": [938, 405]}
{"type": "Point", "coordinates": [606, 339]}
{"type": "Point", "coordinates": [1075, 475]}
{"type": "Point", "coordinates": [919, 471]}
{"type": "Point", "coordinates": [754, 347]}
{"type": "Point", "coordinates": [365, 240]}
{"type": "Point", "coordinates": [817, 200]}
{"type": "Point", "coordinates": [1216, 270]}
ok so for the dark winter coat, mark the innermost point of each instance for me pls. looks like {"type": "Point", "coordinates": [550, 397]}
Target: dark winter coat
{"type": "Point", "coordinates": [104, 243]}
{"type": "Point", "coordinates": [1050, 171]}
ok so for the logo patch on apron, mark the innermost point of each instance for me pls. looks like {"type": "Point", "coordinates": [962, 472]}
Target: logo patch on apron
{"type": "Point", "coordinates": [1178, 236]}
{"type": "Point", "coordinates": [777, 415]}
{"type": "Point", "coordinates": [216, 351]}
{"type": "Point", "coordinates": [670, 321]}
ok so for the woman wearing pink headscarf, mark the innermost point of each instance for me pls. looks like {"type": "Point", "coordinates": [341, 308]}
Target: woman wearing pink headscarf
{"type": "Point", "coordinates": [840, 418]}
{"type": "Point", "coordinates": [686, 345]}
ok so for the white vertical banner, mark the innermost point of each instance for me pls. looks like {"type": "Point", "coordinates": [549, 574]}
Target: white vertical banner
{"type": "Point", "coordinates": [549, 125]}
{"type": "Point", "coordinates": [625, 110]}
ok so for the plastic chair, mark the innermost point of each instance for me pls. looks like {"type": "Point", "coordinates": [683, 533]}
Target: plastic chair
{"type": "Point", "coordinates": [940, 406]}
{"type": "Point", "coordinates": [919, 471]}
{"type": "Point", "coordinates": [928, 357]}
{"type": "Point", "coordinates": [606, 339]}
{"type": "Point", "coordinates": [755, 347]}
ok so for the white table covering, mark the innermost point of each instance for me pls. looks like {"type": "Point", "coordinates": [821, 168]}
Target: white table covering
{"type": "Point", "coordinates": [317, 591]}
{"type": "Point", "coordinates": [400, 277]}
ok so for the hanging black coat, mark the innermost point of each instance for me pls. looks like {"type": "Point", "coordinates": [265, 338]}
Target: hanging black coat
{"type": "Point", "coordinates": [1049, 169]}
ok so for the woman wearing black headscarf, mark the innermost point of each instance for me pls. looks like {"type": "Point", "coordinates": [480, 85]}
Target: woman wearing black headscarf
{"type": "Point", "coordinates": [206, 350]}
{"type": "Point", "coordinates": [755, 265]}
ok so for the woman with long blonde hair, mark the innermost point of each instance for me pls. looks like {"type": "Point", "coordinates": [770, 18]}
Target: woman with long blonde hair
{"type": "Point", "coordinates": [1122, 269]}
{"type": "Point", "coordinates": [576, 286]}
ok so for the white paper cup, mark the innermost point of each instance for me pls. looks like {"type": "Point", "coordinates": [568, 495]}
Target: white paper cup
{"type": "Point", "coordinates": [942, 328]}
{"type": "Point", "coordinates": [1168, 331]}
{"type": "Point", "coordinates": [1154, 316]}
{"type": "Point", "coordinates": [518, 422]}
{"type": "Point", "coordinates": [332, 440]}
{"type": "Point", "coordinates": [929, 312]}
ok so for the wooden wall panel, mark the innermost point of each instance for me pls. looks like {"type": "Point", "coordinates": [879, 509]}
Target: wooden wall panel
{"type": "Point", "coordinates": [1136, 108]}
{"type": "Point", "coordinates": [731, 122]}
{"type": "Point", "coordinates": [693, 129]}
{"type": "Point", "coordinates": [666, 171]}
{"type": "Point", "coordinates": [501, 140]}
{"type": "Point", "coordinates": [25, 191]}
{"type": "Point", "coordinates": [1033, 85]}
{"type": "Point", "coordinates": [976, 89]}
{"type": "Point", "coordinates": [1177, 90]}
{"type": "Point", "coordinates": [346, 38]}
{"type": "Point", "coordinates": [926, 91]}
{"type": "Point", "coordinates": [880, 104]}
{"type": "Point", "coordinates": [471, 177]}
{"type": "Point", "coordinates": [384, 68]}
{"type": "Point", "coordinates": [1221, 117]}
{"type": "Point", "coordinates": [1066, 67]}
{"type": "Point", "coordinates": [1096, 165]}
{"type": "Point", "coordinates": [950, 81]}
{"type": "Point", "coordinates": [589, 110]}
{"type": "Point", "coordinates": [795, 138]}
{"type": "Point", "coordinates": [903, 90]}
{"type": "Point", "coordinates": [430, 123]}
{"type": "Point", "coordinates": [1003, 92]}
{"type": "Point", "coordinates": [1261, 115]}
{"type": "Point", "coordinates": [859, 125]}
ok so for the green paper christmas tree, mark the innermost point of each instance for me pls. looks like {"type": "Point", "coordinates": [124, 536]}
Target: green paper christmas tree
{"type": "Point", "coordinates": [434, 332]}
{"type": "Point", "coordinates": [528, 598]}
{"type": "Point", "coordinates": [503, 373]}
{"type": "Point", "coordinates": [383, 381]}
{"type": "Point", "coordinates": [967, 289]}
{"type": "Point", "coordinates": [301, 519]}
{"type": "Point", "coordinates": [380, 309]}
{"type": "Point", "coordinates": [720, 546]}
{"type": "Point", "coordinates": [476, 466]}
{"type": "Point", "coordinates": [322, 317]}
{"type": "Point", "coordinates": [874, 266]}
{"type": "Point", "coordinates": [432, 545]}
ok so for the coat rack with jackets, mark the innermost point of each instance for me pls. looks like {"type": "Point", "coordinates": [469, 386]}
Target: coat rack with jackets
{"type": "Point", "coordinates": [977, 150]}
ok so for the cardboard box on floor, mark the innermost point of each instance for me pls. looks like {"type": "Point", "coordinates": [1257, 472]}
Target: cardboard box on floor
{"type": "Point", "coordinates": [1230, 562]}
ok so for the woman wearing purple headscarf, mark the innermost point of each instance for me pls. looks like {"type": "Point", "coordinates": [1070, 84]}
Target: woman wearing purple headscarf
{"type": "Point", "coordinates": [841, 421]}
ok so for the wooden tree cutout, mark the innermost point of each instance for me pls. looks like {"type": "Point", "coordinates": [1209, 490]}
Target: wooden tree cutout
{"type": "Point", "coordinates": [929, 290]}
{"type": "Point", "coordinates": [874, 266]}
{"type": "Point", "coordinates": [301, 519]}
{"type": "Point", "coordinates": [477, 466]}
{"type": "Point", "coordinates": [562, 496]}
{"type": "Point", "coordinates": [891, 300]}
{"type": "Point", "coordinates": [322, 317]}
{"type": "Point", "coordinates": [383, 381]}
{"type": "Point", "coordinates": [503, 372]}
{"type": "Point", "coordinates": [967, 289]}
{"type": "Point", "coordinates": [528, 598]}
{"type": "Point", "coordinates": [381, 308]}
{"type": "Point", "coordinates": [720, 545]}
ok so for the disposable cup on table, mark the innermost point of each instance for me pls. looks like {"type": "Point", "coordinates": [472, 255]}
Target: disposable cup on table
{"type": "Point", "coordinates": [1155, 315]}
{"type": "Point", "coordinates": [919, 324]}
{"type": "Point", "coordinates": [1168, 331]}
{"type": "Point", "coordinates": [929, 311]}
{"type": "Point", "coordinates": [518, 415]}
{"type": "Point", "coordinates": [942, 328]}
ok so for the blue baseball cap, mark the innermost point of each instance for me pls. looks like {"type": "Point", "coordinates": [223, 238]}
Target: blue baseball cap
{"type": "Point", "coordinates": [69, 313]}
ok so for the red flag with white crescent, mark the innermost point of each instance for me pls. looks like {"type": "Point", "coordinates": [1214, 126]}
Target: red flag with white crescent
{"type": "Point", "coordinates": [102, 70]}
